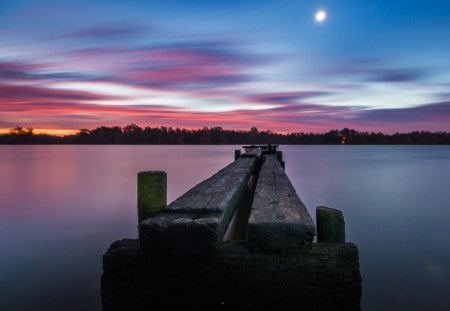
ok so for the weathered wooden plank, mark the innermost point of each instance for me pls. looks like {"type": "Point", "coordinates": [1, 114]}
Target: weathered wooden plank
{"type": "Point", "coordinates": [195, 223]}
{"type": "Point", "coordinates": [214, 193]}
{"type": "Point", "coordinates": [279, 221]}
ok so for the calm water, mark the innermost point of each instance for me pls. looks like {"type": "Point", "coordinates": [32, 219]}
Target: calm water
{"type": "Point", "coordinates": [61, 207]}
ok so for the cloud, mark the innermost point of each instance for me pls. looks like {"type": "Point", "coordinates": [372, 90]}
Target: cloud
{"type": "Point", "coordinates": [76, 115]}
{"type": "Point", "coordinates": [397, 75]}
{"type": "Point", "coordinates": [224, 50]}
{"type": "Point", "coordinates": [442, 96]}
{"type": "Point", "coordinates": [25, 93]}
{"type": "Point", "coordinates": [188, 66]}
{"type": "Point", "coordinates": [16, 70]}
{"type": "Point", "coordinates": [13, 72]}
{"type": "Point", "coordinates": [374, 70]}
{"type": "Point", "coordinates": [191, 66]}
{"type": "Point", "coordinates": [431, 112]}
{"type": "Point", "coordinates": [110, 30]}
{"type": "Point", "coordinates": [283, 97]}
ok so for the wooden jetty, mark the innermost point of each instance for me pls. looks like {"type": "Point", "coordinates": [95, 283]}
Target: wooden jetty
{"type": "Point", "coordinates": [241, 239]}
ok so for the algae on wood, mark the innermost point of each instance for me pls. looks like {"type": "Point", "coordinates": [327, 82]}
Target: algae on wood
{"type": "Point", "coordinates": [330, 225]}
{"type": "Point", "coordinates": [152, 193]}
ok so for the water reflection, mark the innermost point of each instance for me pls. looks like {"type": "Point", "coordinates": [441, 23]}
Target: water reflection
{"type": "Point", "coordinates": [61, 206]}
{"type": "Point", "coordinates": [396, 207]}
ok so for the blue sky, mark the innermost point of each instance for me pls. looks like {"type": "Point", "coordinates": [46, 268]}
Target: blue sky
{"type": "Point", "coordinates": [373, 66]}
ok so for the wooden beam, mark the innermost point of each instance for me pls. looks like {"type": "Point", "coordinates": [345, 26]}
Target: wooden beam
{"type": "Point", "coordinates": [279, 221]}
{"type": "Point", "coordinates": [195, 223]}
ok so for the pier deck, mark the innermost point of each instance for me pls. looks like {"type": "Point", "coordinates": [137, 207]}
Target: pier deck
{"type": "Point", "coordinates": [279, 221]}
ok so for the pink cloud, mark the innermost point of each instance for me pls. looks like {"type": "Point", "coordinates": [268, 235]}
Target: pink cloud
{"type": "Point", "coordinates": [191, 66]}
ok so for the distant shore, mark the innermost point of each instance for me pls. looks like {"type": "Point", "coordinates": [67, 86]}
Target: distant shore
{"type": "Point", "coordinates": [135, 135]}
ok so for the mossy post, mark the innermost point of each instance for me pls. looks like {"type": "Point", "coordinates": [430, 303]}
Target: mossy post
{"type": "Point", "coordinates": [152, 193]}
{"type": "Point", "coordinates": [330, 225]}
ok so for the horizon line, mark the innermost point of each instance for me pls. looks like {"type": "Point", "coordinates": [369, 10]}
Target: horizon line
{"type": "Point", "coordinates": [70, 132]}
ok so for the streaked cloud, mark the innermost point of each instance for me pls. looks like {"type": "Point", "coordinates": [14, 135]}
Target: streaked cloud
{"type": "Point", "coordinates": [375, 70]}
{"type": "Point", "coordinates": [284, 97]}
{"type": "Point", "coordinates": [431, 112]}
{"type": "Point", "coordinates": [117, 29]}
{"type": "Point", "coordinates": [24, 93]}
{"type": "Point", "coordinates": [397, 75]}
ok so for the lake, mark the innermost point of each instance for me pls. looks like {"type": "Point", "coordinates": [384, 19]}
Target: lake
{"type": "Point", "coordinates": [62, 206]}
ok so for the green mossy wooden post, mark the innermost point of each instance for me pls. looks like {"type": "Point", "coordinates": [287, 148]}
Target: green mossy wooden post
{"type": "Point", "coordinates": [152, 193]}
{"type": "Point", "coordinates": [330, 225]}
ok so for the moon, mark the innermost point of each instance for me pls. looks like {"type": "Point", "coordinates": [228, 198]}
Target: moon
{"type": "Point", "coordinates": [320, 16]}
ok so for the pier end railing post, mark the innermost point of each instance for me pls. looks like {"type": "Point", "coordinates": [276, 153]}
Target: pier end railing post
{"type": "Point", "coordinates": [152, 193]}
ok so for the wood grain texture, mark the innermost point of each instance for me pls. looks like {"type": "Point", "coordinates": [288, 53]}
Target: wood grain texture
{"type": "Point", "coordinates": [195, 223]}
{"type": "Point", "coordinates": [278, 219]}
{"type": "Point", "coordinates": [214, 193]}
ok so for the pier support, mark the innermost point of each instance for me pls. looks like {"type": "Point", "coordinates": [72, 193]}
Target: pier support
{"type": "Point", "coordinates": [327, 278]}
{"type": "Point", "coordinates": [152, 193]}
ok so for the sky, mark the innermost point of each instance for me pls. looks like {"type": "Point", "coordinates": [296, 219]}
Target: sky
{"type": "Point", "coordinates": [379, 66]}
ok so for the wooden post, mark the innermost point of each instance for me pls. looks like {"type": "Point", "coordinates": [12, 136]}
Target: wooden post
{"type": "Point", "coordinates": [280, 158]}
{"type": "Point", "coordinates": [237, 154]}
{"type": "Point", "coordinates": [330, 225]}
{"type": "Point", "coordinates": [152, 193]}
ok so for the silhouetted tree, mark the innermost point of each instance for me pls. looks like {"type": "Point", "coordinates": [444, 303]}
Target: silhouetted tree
{"type": "Point", "coordinates": [133, 134]}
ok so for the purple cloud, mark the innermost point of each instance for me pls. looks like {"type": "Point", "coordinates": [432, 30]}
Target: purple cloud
{"type": "Point", "coordinates": [16, 70]}
{"type": "Point", "coordinates": [431, 112]}
{"type": "Point", "coordinates": [283, 97]}
{"type": "Point", "coordinates": [374, 70]}
{"type": "Point", "coordinates": [25, 93]}
{"type": "Point", "coordinates": [397, 75]}
{"type": "Point", "coordinates": [220, 50]}
{"type": "Point", "coordinates": [184, 67]}
{"type": "Point", "coordinates": [443, 96]}
{"type": "Point", "coordinates": [28, 72]}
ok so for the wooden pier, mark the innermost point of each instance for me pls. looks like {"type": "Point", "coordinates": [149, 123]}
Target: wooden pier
{"type": "Point", "coordinates": [241, 239]}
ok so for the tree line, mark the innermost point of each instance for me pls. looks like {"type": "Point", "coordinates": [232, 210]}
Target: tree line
{"type": "Point", "coordinates": [133, 134]}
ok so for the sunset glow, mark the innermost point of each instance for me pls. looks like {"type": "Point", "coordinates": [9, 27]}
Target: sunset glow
{"type": "Point", "coordinates": [72, 65]}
